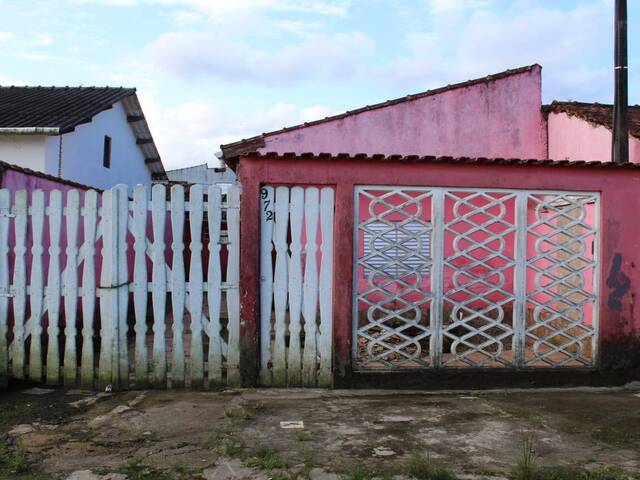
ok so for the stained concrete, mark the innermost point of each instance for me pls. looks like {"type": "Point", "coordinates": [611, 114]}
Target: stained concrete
{"type": "Point", "coordinates": [210, 435]}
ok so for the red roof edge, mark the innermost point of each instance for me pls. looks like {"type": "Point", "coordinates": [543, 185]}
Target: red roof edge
{"type": "Point", "coordinates": [430, 159]}
{"type": "Point", "coordinates": [45, 176]}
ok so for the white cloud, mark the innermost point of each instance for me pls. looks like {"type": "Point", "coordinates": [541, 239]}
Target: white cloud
{"type": "Point", "coordinates": [478, 40]}
{"type": "Point", "coordinates": [192, 54]}
{"type": "Point", "coordinates": [192, 133]}
{"type": "Point", "coordinates": [216, 8]}
{"type": "Point", "coordinates": [4, 36]}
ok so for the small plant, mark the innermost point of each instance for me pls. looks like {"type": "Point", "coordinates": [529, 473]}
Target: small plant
{"type": "Point", "coordinates": [303, 436]}
{"type": "Point", "coordinates": [232, 447]}
{"type": "Point", "coordinates": [527, 465]}
{"type": "Point", "coordinates": [356, 472]}
{"type": "Point", "coordinates": [425, 468]}
{"type": "Point", "coordinates": [265, 459]}
{"type": "Point", "coordinates": [605, 472]}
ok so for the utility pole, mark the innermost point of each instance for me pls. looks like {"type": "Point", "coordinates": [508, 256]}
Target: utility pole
{"type": "Point", "coordinates": [620, 146]}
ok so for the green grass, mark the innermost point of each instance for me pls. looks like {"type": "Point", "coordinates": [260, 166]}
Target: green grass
{"type": "Point", "coordinates": [265, 459]}
{"type": "Point", "coordinates": [303, 436]}
{"type": "Point", "coordinates": [137, 471]}
{"type": "Point", "coordinates": [425, 468]}
{"type": "Point", "coordinates": [232, 447]}
{"type": "Point", "coordinates": [357, 472]}
{"type": "Point", "coordinates": [615, 436]}
{"type": "Point", "coordinates": [605, 472]}
{"type": "Point", "coordinates": [526, 467]}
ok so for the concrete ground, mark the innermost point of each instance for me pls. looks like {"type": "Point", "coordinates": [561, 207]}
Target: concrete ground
{"type": "Point", "coordinates": [590, 434]}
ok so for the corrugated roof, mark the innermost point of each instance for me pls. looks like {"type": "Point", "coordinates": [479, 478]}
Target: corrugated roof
{"type": "Point", "coordinates": [231, 150]}
{"type": "Point", "coordinates": [432, 159]}
{"type": "Point", "coordinates": [596, 113]}
{"type": "Point", "coordinates": [55, 107]}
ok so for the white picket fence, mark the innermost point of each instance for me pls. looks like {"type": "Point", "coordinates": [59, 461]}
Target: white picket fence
{"type": "Point", "coordinates": [85, 266]}
{"type": "Point", "coordinates": [296, 292]}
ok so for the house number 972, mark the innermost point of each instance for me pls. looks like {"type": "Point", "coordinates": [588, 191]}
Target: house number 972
{"type": "Point", "coordinates": [266, 205]}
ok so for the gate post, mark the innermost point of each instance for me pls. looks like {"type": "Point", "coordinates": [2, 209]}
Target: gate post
{"type": "Point", "coordinates": [520, 280]}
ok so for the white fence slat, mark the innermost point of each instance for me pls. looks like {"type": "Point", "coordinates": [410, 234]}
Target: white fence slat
{"type": "Point", "coordinates": [159, 280]}
{"type": "Point", "coordinates": [70, 283]}
{"type": "Point", "coordinates": [195, 285]}
{"type": "Point", "coordinates": [19, 284]}
{"type": "Point", "coordinates": [214, 279]}
{"type": "Point", "coordinates": [5, 211]}
{"type": "Point", "coordinates": [108, 296]}
{"type": "Point", "coordinates": [36, 284]}
{"type": "Point", "coordinates": [325, 289]}
{"type": "Point", "coordinates": [280, 286]}
{"type": "Point", "coordinates": [122, 285]}
{"type": "Point", "coordinates": [233, 292]}
{"type": "Point", "coordinates": [90, 218]}
{"type": "Point", "coordinates": [177, 285]}
{"type": "Point", "coordinates": [310, 287]}
{"type": "Point", "coordinates": [294, 360]}
{"type": "Point", "coordinates": [267, 216]}
{"type": "Point", "coordinates": [140, 285]}
{"type": "Point", "coordinates": [53, 292]}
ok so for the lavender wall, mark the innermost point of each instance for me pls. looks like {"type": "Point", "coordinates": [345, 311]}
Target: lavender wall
{"type": "Point", "coordinates": [497, 118]}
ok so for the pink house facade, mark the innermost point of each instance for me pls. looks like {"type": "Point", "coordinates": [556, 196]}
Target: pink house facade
{"type": "Point", "coordinates": [498, 262]}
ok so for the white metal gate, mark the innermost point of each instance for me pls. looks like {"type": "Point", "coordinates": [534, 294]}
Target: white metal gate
{"type": "Point", "coordinates": [296, 285]}
{"type": "Point", "coordinates": [474, 278]}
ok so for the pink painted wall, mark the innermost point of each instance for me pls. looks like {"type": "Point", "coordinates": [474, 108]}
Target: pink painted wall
{"type": "Point", "coordinates": [572, 138]}
{"type": "Point", "coordinates": [497, 118]}
{"type": "Point", "coordinates": [619, 341]}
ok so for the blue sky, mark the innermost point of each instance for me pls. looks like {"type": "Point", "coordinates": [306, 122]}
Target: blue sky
{"type": "Point", "coordinates": [215, 71]}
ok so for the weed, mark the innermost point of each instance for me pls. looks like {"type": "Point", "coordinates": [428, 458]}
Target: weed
{"type": "Point", "coordinates": [425, 468]}
{"type": "Point", "coordinates": [303, 436]}
{"type": "Point", "coordinates": [615, 436]}
{"type": "Point", "coordinates": [526, 467]}
{"type": "Point", "coordinates": [265, 459]}
{"type": "Point", "coordinates": [605, 472]}
{"type": "Point", "coordinates": [137, 471]}
{"type": "Point", "coordinates": [357, 472]}
{"type": "Point", "coordinates": [232, 447]}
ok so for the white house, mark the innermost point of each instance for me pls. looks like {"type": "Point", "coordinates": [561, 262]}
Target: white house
{"type": "Point", "coordinates": [90, 135]}
{"type": "Point", "coordinates": [203, 175]}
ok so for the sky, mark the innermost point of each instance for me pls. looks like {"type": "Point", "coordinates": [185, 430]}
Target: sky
{"type": "Point", "coordinates": [216, 71]}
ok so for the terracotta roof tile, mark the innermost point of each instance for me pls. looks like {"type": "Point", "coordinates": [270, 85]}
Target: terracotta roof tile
{"type": "Point", "coordinates": [596, 113]}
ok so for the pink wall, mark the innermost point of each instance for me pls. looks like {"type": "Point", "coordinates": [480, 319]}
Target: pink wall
{"type": "Point", "coordinates": [497, 118]}
{"type": "Point", "coordinates": [572, 138]}
{"type": "Point", "coordinates": [619, 336]}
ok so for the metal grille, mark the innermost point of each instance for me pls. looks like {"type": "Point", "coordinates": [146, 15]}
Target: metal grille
{"type": "Point", "coordinates": [478, 303]}
{"type": "Point", "coordinates": [561, 263]}
{"type": "Point", "coordinates": [392, 315]}
{"type": "Point", "coordinates": [474, 278]}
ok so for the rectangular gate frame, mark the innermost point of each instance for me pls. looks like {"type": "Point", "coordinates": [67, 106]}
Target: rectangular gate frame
{"type": "Point", "coordinates": [437, 274]}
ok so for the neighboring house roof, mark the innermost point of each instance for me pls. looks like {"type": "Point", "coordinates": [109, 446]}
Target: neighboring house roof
{"type": "Point", "coordinates": [596, 113]}
{"type": "Point", "coordinates": [234, 149]}
{"type": "Point", "coordinates": [59, 110]}
{"type": "Point", "coordinates": [4, 166]}
{"type": "Point", "coordinates": [429, 159]}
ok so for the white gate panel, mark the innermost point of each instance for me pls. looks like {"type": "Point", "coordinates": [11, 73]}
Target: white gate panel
{"type": "Point", "coordinates": [296, 258]}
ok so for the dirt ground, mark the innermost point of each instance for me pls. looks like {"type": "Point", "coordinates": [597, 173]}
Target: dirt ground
{"type": "Point", "coordinates": [354, 435]}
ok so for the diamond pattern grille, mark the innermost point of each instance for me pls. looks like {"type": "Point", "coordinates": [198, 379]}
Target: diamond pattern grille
{"type": "Point", "coordinates": [562, 264]}
{"type": "Point", "coordinates": [474, 278]}
{"type": "Point", "coordinates": [478, 305]}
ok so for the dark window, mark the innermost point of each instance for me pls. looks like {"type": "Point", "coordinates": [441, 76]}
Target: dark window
{"type": "Point", "coordinates": [106, 156]}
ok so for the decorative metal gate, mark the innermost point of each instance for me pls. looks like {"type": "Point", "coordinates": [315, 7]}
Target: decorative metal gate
{"type": "Point", "coordinates": [475, 278]}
